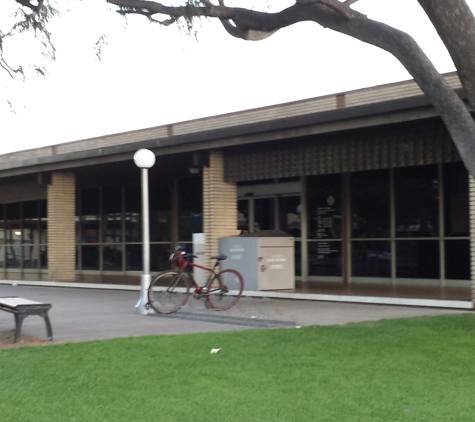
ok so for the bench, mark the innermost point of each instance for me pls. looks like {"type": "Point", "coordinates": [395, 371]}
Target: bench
{"type": "Point", "coordinates": [22, 308]}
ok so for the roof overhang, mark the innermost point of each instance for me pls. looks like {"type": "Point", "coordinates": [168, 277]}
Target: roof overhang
{"type": "Point", "coordinates": [368, 115]}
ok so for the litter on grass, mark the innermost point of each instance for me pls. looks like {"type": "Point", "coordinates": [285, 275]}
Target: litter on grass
{"type": "Point", "coordinates": [214, 351]}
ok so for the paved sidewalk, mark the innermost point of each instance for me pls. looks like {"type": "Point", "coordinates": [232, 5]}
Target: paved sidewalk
{"type": "Point", "coordinates": [92, 314]}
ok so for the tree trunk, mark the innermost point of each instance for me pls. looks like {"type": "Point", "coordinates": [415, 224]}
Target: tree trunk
{"type": "Point", "coordinates": [455, 24]}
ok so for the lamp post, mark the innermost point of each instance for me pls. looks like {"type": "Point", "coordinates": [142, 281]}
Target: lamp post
{"type": "Point", "coordinates": [144, 159]}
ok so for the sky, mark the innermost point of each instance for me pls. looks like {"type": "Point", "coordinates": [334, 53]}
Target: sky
{"type": "Point", "coordinates": [150, 75]}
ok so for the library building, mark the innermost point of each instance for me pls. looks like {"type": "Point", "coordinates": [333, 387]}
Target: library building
{"type": "Point", "coordinates": [368, 183]}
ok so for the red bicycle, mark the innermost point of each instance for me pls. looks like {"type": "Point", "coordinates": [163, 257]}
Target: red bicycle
{"type": "Point", "coordinates": [170, 290]}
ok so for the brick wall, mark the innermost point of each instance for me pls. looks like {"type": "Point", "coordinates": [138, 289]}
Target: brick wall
{"type": "Point", "coordinates": [219, 204]}
{"type": "Point", "coordinates": [61, 227]}
{"type": "Point", "coordinates": [472, 234]}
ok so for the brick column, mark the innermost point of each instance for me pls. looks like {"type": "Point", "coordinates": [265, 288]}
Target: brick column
{"type": "Point", "coordinates": [61, 201]}
{"type": "Point", "coordinates": [220, 217]}
{"type": "Point", "coordinates": [471, 190]}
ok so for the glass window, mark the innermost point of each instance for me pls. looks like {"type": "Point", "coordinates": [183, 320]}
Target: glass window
{"type": "Point", "coordinates": [324, 258]}
{"type": "Point", "coordinates": [31, 222]}
{"type": "Point", "coordinates": [133, 220]}
{"type": "Point", "coordinates": [371, 259]}
{"type": "Point", "coordinates": [289, 214]}
{"type": "Point", "coordinates": [90, 219]}
{"type": "Point", "coordinates": [112, 216]}
{"type": "Point", "coordinates": [90, 257]}
{"type": "Point", "coordinates": [31, 255]}
{"type": "Point", "coordinates": [417, 203]}
{"type": "Point", "coordinates": [456, 200]}
{"type": "Point", "coordinates": [133, 257]}
{"type": "Point", "coordinates": [112, 257]}
{"type": "Point", "coordinates": [2, 236]}
{"type": "Point", "coordinates": [324, 207]}
{"type": "Point", "coordinates": [264, 214]}
{"type": "Point", "coordinates": [160, 255]}
{"type": "Point", "coordinates": [44, 256]}
{"type": "Point", "coordinates": [457, 259]}
{"type": "Point", "coordinates": [191, 208]}
{"type": "Point", "coordinates": [417, 259]}
{"type": "Point", "coordinates": [370, 205]}
{"type": "Point", "coordinates": [243, 215]}
{"type": "Point", "coordinates": [160, 215]}
{"type": "Point", "coordinates": [298, 258]}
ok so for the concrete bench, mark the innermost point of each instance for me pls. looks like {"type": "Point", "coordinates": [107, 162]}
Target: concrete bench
{"type": "Point", "coordinates": [22, 308]}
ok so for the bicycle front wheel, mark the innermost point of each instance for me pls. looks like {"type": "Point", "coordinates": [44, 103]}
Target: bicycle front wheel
{"type": "Point", "coordinates": [168, 292]}
{"type": "Point", "coordinates": [225, 290]}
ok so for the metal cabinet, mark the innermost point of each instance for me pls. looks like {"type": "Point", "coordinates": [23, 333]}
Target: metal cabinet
{"type": "Point", "coordinates": [264, 259]}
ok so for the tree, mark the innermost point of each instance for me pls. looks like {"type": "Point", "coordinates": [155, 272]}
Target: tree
{"type": "Point", "coordinates": [452, 19]}
{"type": "Point", "coordinates": [30, 17]}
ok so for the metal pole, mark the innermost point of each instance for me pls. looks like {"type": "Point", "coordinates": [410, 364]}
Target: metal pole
{"type": "Point", "coordinates": [146, 278]}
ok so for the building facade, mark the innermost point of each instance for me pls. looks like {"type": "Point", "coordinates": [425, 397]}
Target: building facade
{"type": "Point", "coordinates": [368, 182]}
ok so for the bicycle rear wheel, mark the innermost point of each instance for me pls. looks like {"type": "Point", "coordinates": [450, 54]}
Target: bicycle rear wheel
{"type": "Point", "coordinates": [168, 292]}
{"type": "Point", "coordinates": [225, 290]}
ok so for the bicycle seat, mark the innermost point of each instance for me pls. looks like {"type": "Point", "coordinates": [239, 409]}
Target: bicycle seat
{"type": "Point", "coordinates": [220, 257]}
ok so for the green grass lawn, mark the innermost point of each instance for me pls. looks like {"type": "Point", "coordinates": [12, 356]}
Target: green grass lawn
{"type": "Point", "coordinates": [420, 369]}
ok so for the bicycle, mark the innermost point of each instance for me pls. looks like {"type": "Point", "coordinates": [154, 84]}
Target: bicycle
{"type": "Point", "coordinates": [170, 290]}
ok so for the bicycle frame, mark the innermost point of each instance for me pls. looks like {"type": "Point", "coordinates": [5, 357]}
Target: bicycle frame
{"type": "Point", "coordinates": [182, 263]}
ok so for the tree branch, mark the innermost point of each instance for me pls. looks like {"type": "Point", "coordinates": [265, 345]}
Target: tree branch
{"type": "Point", "coordinates": [35, 7]}
{"type": "Point", "coordinates": [328, 13]}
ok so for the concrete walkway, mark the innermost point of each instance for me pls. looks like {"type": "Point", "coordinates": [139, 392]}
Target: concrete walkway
{"type": "Point", "coordinates": [94, 314]}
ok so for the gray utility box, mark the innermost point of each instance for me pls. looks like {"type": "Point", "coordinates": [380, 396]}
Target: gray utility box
{"type": "Point", "coordinates": [264, 259]}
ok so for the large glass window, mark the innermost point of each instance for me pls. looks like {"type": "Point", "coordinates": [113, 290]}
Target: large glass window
{"type": "Point", "coordinates": [90, 218]}
{"type": "Point", "coordinates": [31, 234]}
{"type": "Point", "coordinates": [324, 225]}
{"type": "Point", "coordinates": [370, 204]}
{"type": "Point", "coordinates": [324, 259]}
{"type": "Point", "coordinates": [191, 208]}
{"type": "Point", "coordinates": [111, 228]}
{"type": "Point", "coordinates": [457, 259]}
{"type": "Point", "coordinates": [324, 207]}
{"type": "Point", "coordinates": [160, 215]}
{"type": "Point", "coordinates": [289, 214]}
{"type": "Point", "coordinates": [264, 211]}
{"type": "Point", "coordinates": [133, 221]}
{"type": "Point", "coordinates": [371, 258]}
{"type": "Point", "coordinates": [417, 201]}
{"type": "Point", "coordinates": [456, 200]}
{"type": "Point", "coordinates": [2, 236]}
{"type": "Point", "coordinates": [408, 236]}
{"type": "Point", "coordinates": [14, 235]}
{"type": "Point", "coordinates": [23, 236]}
{"type": "Point", "coordinates": [243, 215]}
{"type": "Point", "coordinates": [417, 259]}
